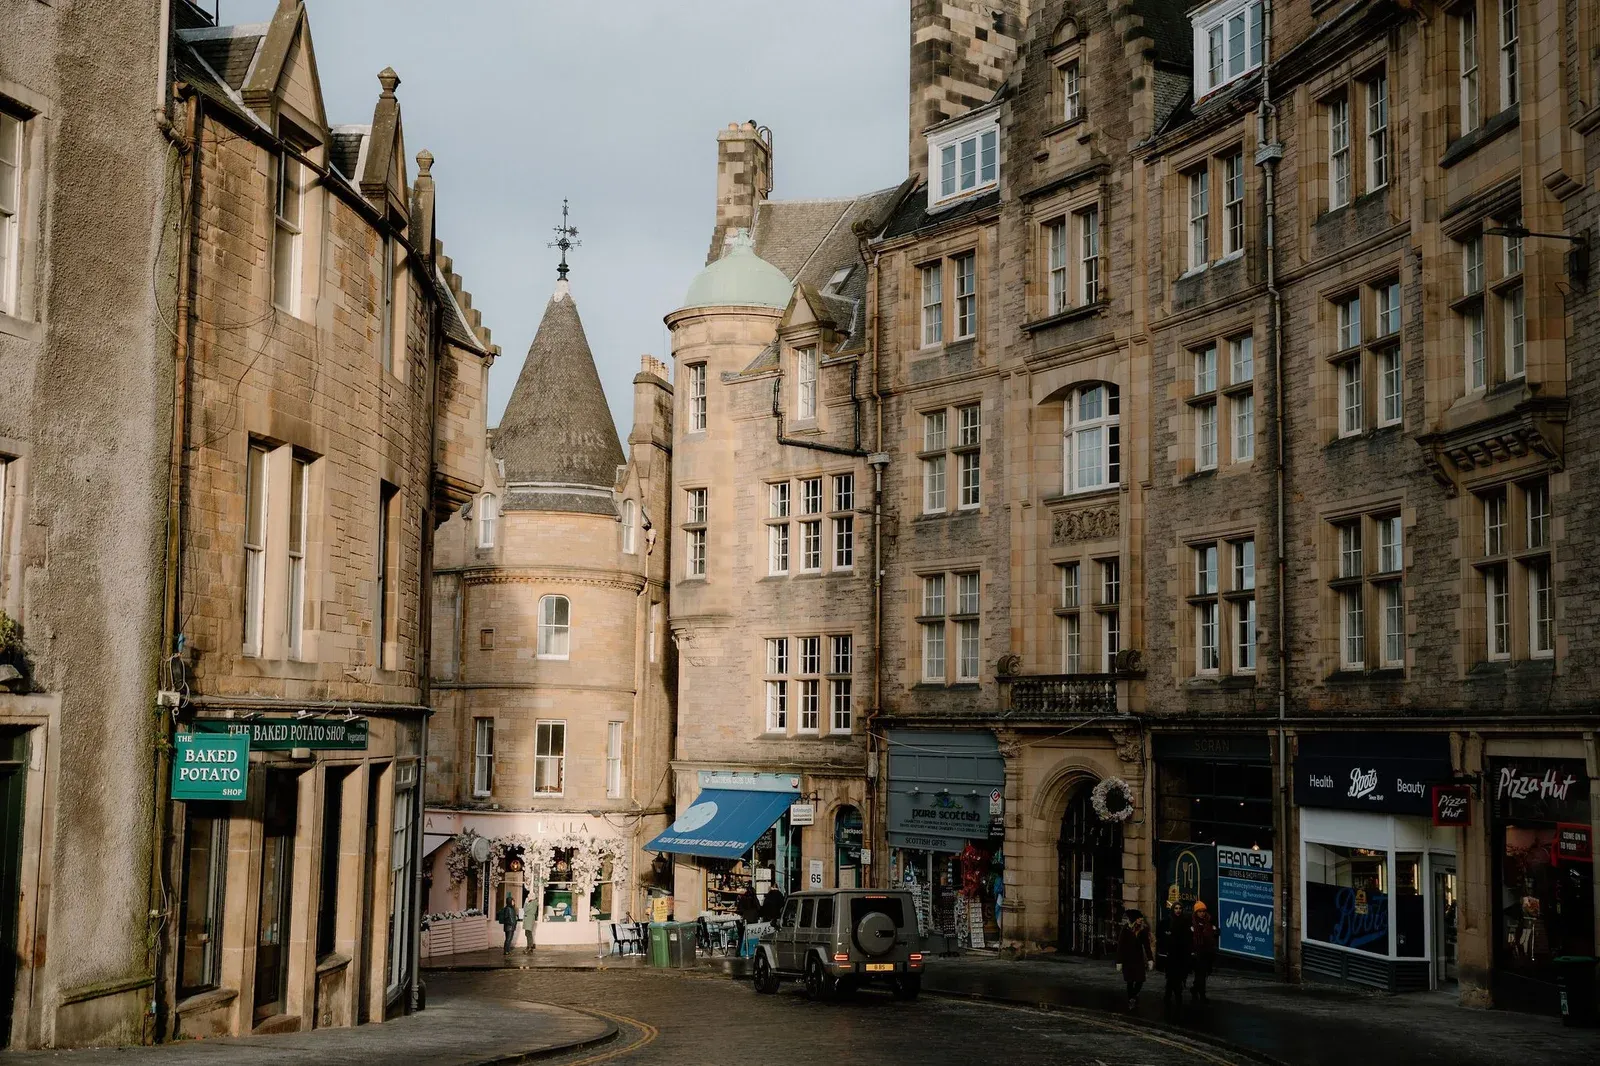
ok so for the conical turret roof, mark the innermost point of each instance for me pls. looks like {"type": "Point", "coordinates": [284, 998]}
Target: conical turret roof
{"type": "Point", "coordinates": [557, 439]}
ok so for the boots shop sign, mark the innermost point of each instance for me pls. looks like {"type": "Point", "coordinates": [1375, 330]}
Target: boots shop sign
{"type": "Point", "coordinates": [1385, 773]}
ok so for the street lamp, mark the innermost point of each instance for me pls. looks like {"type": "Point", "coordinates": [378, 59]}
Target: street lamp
{"type": "Point", "coordinates": [1577, 258]}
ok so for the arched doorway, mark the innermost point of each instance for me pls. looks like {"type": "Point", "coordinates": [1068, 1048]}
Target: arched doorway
{"type": "Point", "coordinates": [1089, 901]}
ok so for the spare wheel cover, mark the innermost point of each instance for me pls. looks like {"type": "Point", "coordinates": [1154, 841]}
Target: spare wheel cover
{"type": "Point", "coordinates": [875, 933]}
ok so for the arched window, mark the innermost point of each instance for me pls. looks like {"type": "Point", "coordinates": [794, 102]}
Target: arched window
{"type": "Point", "coordinates": [1091, 445]}
{"type": "Point", "coordinates": [488, 519]}
{"type": "Point", "coordinates": [629, 526]}
{"type": "Point", "coordinates": [555, 632]}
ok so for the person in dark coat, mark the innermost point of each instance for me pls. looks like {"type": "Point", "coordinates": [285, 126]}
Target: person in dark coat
{"type": "Point", "coordinates": [1205, 948]}
{"type": "Point", "coordinates": [1135, 953]}
{"type": "Point", "coordinates": [749, 905]}
{"type": "Point", "coordinates": [772, 905]}
{"type": "Point", "coordinates": [1180, 952]}
{"type": "Point", "coordinates": [508, 918]}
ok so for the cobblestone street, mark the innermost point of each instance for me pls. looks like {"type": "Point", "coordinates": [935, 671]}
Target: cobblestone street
{"type": "Point", "coordinates": [669, 1019]}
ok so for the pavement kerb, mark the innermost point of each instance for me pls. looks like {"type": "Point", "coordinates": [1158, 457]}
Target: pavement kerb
{"type": "Point", "coordinates": [612, 1032]}
{"type": "Point", "coordinates": [1129, 1019]}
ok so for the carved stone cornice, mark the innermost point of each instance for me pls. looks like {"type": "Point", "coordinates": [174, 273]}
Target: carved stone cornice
{"type": "Point", "coordinates": [514, 575]}
{"type": "Point", "coordinates": [1512, 426]}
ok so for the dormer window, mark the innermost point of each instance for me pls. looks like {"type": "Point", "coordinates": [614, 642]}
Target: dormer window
{"type": "Point", "coordinates": [967, 160]}
{"type": "Point", "coordinates": [1227, 43]}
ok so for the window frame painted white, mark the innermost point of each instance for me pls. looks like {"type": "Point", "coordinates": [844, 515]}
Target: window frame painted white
{"type": "Point", "coordinates": [951, 149]}
{"type": "Point", "coordinates": [488, 519]}
{"type": "Point", "coordinates": [1076, 427]}
{"type": "Point", "coordinates": [1214, 59]}
{"type": "Point", "coordinates": [13, 139]}
{"type": "Point", "coordinates": [257, 492]}
{"type": "Point", "coordinates": [482, 757]}
{"type": "Point", "coordinates": [805, 379]}
{"type": "Point", "coordinates": [555, 627]}
{"type": "Point", "coordinates": [614, 760]}
{"type": "Point", "coordinates": [545, 733]}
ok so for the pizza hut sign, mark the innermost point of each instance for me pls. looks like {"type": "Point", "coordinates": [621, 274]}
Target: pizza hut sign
{"type": "Point", "coordinates": [1540, 790]}
{"type": "Point", "coordinates": [1452, 805]}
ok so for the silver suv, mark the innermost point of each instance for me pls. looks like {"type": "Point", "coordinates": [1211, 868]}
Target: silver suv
{"type": "Point", "coordinates": [835, 941]}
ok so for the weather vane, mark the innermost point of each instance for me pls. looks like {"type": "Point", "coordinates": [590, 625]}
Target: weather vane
{"type": "Point", "coordinates": [564, 241]}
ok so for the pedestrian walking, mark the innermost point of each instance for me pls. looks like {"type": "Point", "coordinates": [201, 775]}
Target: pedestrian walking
{"type": "Point", "coordinates": [508, 918]}
{"type": "Point", "coordinates": [749, 905]}
{"type": "Point", "coordinates": [1180, 952]}
{"type": "Point", "coordinates": [1205, 948]}
{"type": "Point", "coordinates": [1135, 953]}
{"type": "Point", "coordinates": [772, 905]}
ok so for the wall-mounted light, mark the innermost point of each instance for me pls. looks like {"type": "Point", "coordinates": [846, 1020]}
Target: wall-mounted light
{"type": "Point", "coordinates": [1577, 257]}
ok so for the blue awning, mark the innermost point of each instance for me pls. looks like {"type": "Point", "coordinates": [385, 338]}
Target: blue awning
{"type": "Point", "coordinates": [723, 823]}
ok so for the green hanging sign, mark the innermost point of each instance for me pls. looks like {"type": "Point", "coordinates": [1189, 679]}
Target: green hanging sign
{"type": "Point", "coordinates": [210, 766]}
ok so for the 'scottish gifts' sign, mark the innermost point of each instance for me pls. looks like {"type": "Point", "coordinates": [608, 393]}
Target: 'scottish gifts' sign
{"type": "Point", "coordinates": [1452, 805]}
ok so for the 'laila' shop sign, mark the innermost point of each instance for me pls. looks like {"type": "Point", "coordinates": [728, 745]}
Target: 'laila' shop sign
{"type": "Point", "coordinates": [285, 732]}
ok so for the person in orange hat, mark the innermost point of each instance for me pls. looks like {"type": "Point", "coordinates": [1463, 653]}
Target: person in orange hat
{"type": "Point", "coordinates": [1205, 947]}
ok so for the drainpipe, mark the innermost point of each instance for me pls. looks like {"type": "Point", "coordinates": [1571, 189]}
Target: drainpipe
{"type": "Point", "coordinates": [1269, 151]}
{"type": "Point", "coordinates": [879, 459]}
{"type": "Point", "coordinates": [818, 446]}
{"type": "Point", "coordinates": [188, 267]}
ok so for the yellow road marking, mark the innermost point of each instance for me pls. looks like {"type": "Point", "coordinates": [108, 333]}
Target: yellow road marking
{"type": "Point", "coordinates": [647, 1035]}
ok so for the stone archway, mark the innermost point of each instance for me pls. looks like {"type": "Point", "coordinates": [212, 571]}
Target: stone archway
{"type": "Point", "coordinates": [1088, 877]}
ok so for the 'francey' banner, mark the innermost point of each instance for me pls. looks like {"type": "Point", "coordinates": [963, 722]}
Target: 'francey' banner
{"type": "Point", "coordinates": [1245, 902]}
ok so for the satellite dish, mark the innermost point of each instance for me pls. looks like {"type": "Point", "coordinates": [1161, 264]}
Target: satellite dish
{"type": "Point", "coordinates": [479, 850]}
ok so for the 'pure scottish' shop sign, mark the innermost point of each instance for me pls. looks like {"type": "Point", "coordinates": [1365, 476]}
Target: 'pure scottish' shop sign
{"type": "Point", "coordinates": [210, 766]}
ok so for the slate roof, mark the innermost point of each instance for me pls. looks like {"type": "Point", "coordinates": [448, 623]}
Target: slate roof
{"type": "Point", "coordinates": [228, 50]}
{"type": "Point", "coordinates": [811, 240]}
{"type": "Point", "coordinates": [344, 150]}
{"type": "Point", "coordinates": [912, 213]}
{"type": "Point", "coordinates": [557, 430]}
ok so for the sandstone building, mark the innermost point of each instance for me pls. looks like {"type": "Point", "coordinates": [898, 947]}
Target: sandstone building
{"type": "Point", "coordinates": [549, 744]}
{"type": "Point", "coordinates": [330, 414]}
{"type": "Point", "coordinates": [1223, 390]}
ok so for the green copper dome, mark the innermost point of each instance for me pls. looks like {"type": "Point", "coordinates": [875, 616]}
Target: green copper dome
{"type": "Point", "coordinates": [740, 279]}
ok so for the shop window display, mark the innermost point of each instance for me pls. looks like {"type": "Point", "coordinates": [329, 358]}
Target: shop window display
{"type": "Point", "coordinates": [558, 902]}
{"type": "Point", "coordinates": [1347, 897]}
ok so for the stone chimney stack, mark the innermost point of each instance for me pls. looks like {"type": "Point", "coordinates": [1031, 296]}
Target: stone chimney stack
{"type": "Point", "coordinates": [961, 51]}
{"type": "Point", "coordinates": [652, 406]}
{"type": "Point", "coordinates": [744, 179]}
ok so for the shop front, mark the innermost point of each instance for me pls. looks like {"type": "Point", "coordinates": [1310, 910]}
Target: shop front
{"type": "Point", "coordinates": [741, 831]}
{"type": "Point", "coordinates": [1377, 877]}
{"type": "Point", "coordinates": [946, 832]}
{"type": "Point", "coordinates": [1542, 865]}
{"type": "Point", "coordinates": [570, 872]}
{"type": "Point", "coordinates": [1215, 837]}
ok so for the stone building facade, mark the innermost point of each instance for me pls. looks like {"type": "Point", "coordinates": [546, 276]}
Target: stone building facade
{"type": "Point", "coordinates": [86, 376]}
{"type": "Point", "coordinates": [1118, 567]}
{"type": "Point", "coordinates": [329, 413]}
{"type": "Point", "coordinates": [553, 707]}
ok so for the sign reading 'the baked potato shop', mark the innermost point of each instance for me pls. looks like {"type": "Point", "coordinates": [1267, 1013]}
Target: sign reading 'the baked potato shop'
{"type": "Point", "coordinates": [285, 732]}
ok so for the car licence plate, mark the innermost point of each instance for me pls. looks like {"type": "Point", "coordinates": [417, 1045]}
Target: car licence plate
{"type": "Point", "coordinates": [880, 967]}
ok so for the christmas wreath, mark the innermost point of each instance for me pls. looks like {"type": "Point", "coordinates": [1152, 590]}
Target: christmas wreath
{"type": "Point", "coordinates": [1113, 800]}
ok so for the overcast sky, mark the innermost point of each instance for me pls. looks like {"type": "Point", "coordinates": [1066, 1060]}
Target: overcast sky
{"type": "Point", "coordinates": [616, 106]}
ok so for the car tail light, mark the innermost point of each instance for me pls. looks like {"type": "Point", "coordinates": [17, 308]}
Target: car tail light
{"type": "Point", "coordinates": [842, 958]}
{"type": "Point", "coordinates": [916, 956]}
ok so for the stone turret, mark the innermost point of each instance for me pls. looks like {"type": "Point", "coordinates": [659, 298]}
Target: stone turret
{"type": "Point", "coordinates": [557, 439]}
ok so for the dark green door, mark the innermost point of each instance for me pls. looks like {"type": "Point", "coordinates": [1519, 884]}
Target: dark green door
{"type": "Point", "coordinates": [13, 779]}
